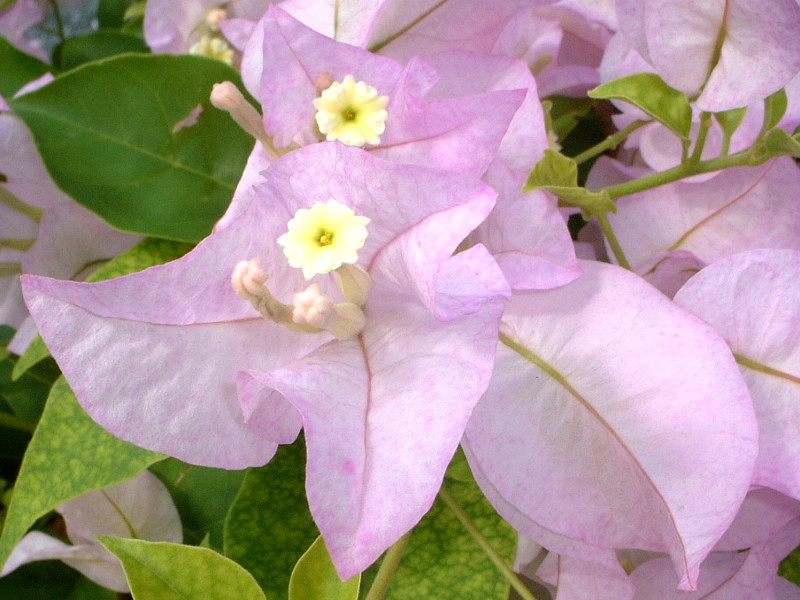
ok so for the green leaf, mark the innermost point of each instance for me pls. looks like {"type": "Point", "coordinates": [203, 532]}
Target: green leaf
{"type": "Point", "coordinates": [68, 455]}
{"type": "Point", "coordinates": [651, 94]}
{"type": "Point", "coordinates": [730, 120]}
{"type": "Point", "coordinates": [35, 353]}
{"type": "Point", "coordinates": [779, 143]}
{"type": "Point", "coordinates": [558, 174]}
{"type": "Point", "coordinates": [565, 113]}
{"type": "Point", "coordinates": [203, 496]}
{"type": "Point", "coordinates": [47, 580]}
{"type": "Point", "coordinates": [269, 527]}
{"type": "Point", "coordinates": [118, 136]}
{"type": "Point", "coordinates": [164, 571]}
{"type": "Point", "coordinates": [442, 560]}
{"type": "Point", "coordinates": [774, 108]}
{"type": "Point", "coordinates": [111, 13]}
{"type": "Point", "coordinates": [18, 68]}
{"type": "Point", "coordinates": [147, 253]}
{"type": "Point", "coordinates": [81, 49]}
{"type": "Point", "coordinates": [315, 577]}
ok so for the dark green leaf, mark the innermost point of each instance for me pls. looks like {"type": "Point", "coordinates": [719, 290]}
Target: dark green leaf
{"type": "Point", "coordinates": [47, 580]}
{"type": "Point", "coordinates": [203, 496]}
{"type": "Point", "coordinates": [315, 577]}
{"type": "Point", "coordinates": [269, 526]}
{"type": "Point", "coordinates": [651, 94]}
{"type": "Point", "coordinates": [79, 50]}
{"type": "Point", "coordinates": [565, 113]}
{"type": "Point", "coordinates": [111, 13]}
{"type": "Point", "coordinates": [119, 136]}
{"type": "Point", "coordinates": [69, 455]}
{"type": "Point", "coordinates": [164, 571]}
{"type": "Point", "coordinates": [17, 69]}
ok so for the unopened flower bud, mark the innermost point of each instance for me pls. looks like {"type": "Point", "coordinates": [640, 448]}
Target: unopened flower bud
{"type": "Point", "coordinates": [248, 279]}
{"type": "Point", "coordinates": [312, 307]}
{"type": "Point", "coordinates": [214, 16]}
{"type": "Point", "coordinates": [226, 96]}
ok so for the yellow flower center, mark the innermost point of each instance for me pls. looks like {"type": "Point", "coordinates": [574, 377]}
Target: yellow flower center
{"type": "Point", "coordinates": [323, 238]}
{"type": "Point", "coordinates": [351, 112]}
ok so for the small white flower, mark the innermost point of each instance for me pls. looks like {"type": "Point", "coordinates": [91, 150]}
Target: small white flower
{"type": "Point", "coordinates": [323, 238]}
{"type": "Point", "coordinates": [213, 47]}
{"type": "Point", "coordinates": [351, 112]}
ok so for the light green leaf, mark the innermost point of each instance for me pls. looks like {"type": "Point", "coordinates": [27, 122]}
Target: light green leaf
{"type": "Point", "coordinates": [774, 108]}
{"type": "Point", "coordinates": [651, 94]}
{"type": "Point", "coordinates": [35, 353]}
{"type": "Point", "coordinates": [269, 526]}
{"type": "Point", "coordinates": [68, 455]}
{"type": "Point", "coordinates": [779, 143]}
{"type": "Point", "coordinates": [558, 174]}
{"type": "Point", "coordinates": [203, 496]}
{"type": "Point", "coordinates": [18, 68]}
{"type": "Point", "coordinates": [315, 578]}
{"type": "Point", "coordinates": [443, 561]}
{"type": "Point", "coordinates": [730, 120]}
{"type": "Point", "coordinates": [147, 253]}
{"type": "Point", "coordinates": [119, 135]}
{"type": "Point", "coordinates": [79, 50]}
{"type": "Point", "coordinates": [164, 571]}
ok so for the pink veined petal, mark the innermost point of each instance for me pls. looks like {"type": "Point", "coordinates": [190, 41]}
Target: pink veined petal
{"type": "Point", "coordinates": [747, 575]}
{"type": "Point", "coordinates": [748, 208]}
{"type": "Point", "coordinates": [763, 514]}
{"type": "Point", "coordinates": [382, 423]}
{"type": "Point", "coordinates": [760, 41]}
{"type": "Point", "coordinates": [753, 300]}
{"type": "Point", "coordinates": [168, 24]}
{"type": "Point", "coordinates": [530, 241]}
{"type": "Point", "coordinates": [143, 504]}
{"type": "Point", "coordinates": [295, 57]}
{"type": "Point", "coordinates": [621, 463]}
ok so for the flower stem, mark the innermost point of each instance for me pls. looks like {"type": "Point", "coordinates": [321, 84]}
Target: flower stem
{"type": "Point", "coordinates": [59, 20]}
{"type": "Point", "coordinates": [32, 212]}
{"type": "Point", "coordinates": [740, 159]}
{"type": "Point", "coordinates": [605, 224]}
{"type": "Point", "coordinates": [387, 569]}
{"type": "Point", "coordinates": [609, 143]}
{"type": "Point", "coordinates": [705, 125]}
{"type": "Point", "coordinates": [484, 543]}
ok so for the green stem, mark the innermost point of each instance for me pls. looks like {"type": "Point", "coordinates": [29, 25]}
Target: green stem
{"type": "Point", "coordinates": [609, 143]}
{"type": "Point", "coordinates": [757, 366]}
{"type": "Point", "coordinates": [8, 269]}
{"type": "Point", "coordinates": [748, 157]}
{"type": "Point", "coordinates": [32, 212]}
{"type": "Point", "coordinates": [22, 245]}
{"type": "Point", "coordinates": [484, 543]}
{"type": "Point", "coordinates": [705, 125]}
{"type": "Point", "coordinates": [608, 231]}
{"type": "Point", "coordinates": [59, 20]}
{"type": "Point", "coordinates": [13, 422]}
{"type": "Point", "coordinates": [387, 569]}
